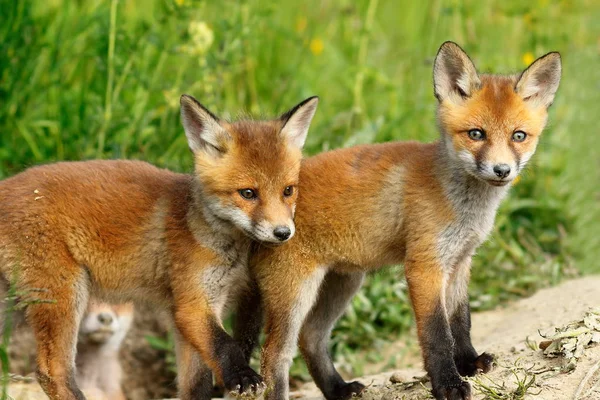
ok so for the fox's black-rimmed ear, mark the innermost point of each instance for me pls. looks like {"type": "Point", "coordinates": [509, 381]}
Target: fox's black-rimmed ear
{"type": "Point", "coordinates": [539, 82]}
{"type": "Point", "coordinates": [454, 74]}
{"type": "Point", "coordinates": [297, 121]}
{"type": "Point", "coordinates": [202, 128]}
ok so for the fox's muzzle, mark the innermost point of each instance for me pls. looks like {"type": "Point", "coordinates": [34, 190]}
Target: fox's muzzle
{"type": "Point", "coordinates": [282, 232]}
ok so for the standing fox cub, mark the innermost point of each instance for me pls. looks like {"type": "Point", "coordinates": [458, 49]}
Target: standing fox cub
{"type": "Point", "coordinates": [428, 206]}
{"type": "Point", "coordinates": [126, 230]}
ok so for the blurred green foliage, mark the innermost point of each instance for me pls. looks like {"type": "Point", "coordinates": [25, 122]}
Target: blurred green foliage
{"type": "Point", "coordinates": [102, 79]}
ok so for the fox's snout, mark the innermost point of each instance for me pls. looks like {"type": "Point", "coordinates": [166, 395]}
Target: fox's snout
{"type": "Point", "coordinates": [282, 232]}
{"type": "Point", "coordinates": [274, 232]}
{"type": "Point", "coordinates": [501, 170]}
{"type": "Point", "coordinates": [106, 318]}
{"type": "Point", "coordinates": [497, 171]}
{"type": "Point", "coordinates": [102, 321]}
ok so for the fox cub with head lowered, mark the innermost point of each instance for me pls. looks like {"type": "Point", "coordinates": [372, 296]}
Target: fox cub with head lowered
{"type": "Point", "coordinates": [126, 230]}
{"type": "Point", "coordinates": [428, 206]}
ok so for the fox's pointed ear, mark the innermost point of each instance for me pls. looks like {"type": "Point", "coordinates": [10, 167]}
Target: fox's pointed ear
{"type": "Point", "coordinates": [539, 82]}
{"type": "Point", "coordinates": [202, 128]}
{"type": "Point", "coordinates": [297, 121]}
{"type": "Point", "coordinates": [454, 74]}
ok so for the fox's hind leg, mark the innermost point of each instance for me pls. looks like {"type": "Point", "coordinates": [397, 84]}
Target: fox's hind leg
{"type": "Point", "coordinates": [54, 315]}
{"type": "Point", "coordinates": [194, 377]}
{"type": "Point", "coordinates": [467, 360]}
{"type": "Point", "coordinates": [287, 301]}
{"type": "Point", "coordinates": [335, 295]}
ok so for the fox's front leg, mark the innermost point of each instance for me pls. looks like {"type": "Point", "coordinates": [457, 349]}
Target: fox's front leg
{"type": "Point", "coordinates": [427, 285]}
{"type": "Point", "coordinates": [466, 358]}
{"type": "Point", "coordinates": [287, 301]}
{"type": "Point", "coordinates": [201, 328]}
{"type": "Point", "coordinates": [194, 378]}
{"type": "Point", "coordinates": [248, 321]}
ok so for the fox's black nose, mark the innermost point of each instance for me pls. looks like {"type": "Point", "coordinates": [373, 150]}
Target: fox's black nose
{"type": "Point", "coordinates": [282, 232]}
{"type": "Point", "coordinates": [105, 318]}
{"type": "Point", "coordinates": [502, 170]}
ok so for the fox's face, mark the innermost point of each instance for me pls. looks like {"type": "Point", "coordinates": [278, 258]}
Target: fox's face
{"type": "Point", "coordinates": [249, 169]}
{"type": "Point", "coordinates": [104, 322]}
{"type": "Point", "coordinates": [491, 123]}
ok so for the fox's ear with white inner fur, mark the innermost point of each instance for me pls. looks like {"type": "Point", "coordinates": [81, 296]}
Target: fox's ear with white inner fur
{"type": "Point", "coordinates": [297, 121]}
{"type": "Point", "coordinates": [202, 128]}
{"type": "Point", "coordinates": [454, 74]}
{"type": "Point", "coordinates": [539, 82]}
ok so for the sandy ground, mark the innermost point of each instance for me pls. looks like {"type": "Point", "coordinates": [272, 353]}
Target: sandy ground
{"type": "Point", "coordinates": [505, 332]}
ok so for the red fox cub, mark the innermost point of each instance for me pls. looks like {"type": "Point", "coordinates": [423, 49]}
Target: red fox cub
{"type": "Point", "coordinates": [101, 333]}
{"type": "Point", "coordinates": [428, 206]}
{"type": "Point", "coordinates": [128, 231]}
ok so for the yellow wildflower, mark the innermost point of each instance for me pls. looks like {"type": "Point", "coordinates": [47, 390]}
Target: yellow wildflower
{"type": "Point", "coordinates": [202, 36]}
{"type": "Point", "coordinates": [516, 180]}
{"type": "Point", "coordinates": [301, 23]}
{"type": "Point", "coordinates": [528, 58]}
{"type": "Point", "coordinates": [316, 46]}
{"type": "Point", "coordinates": [179, 2]}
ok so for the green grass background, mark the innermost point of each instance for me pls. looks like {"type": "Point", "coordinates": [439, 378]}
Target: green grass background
{"type": "Point", "coordinates": [102, 79]}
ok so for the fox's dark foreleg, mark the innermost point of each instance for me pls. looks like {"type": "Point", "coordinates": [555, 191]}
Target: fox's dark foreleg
{"type": "Point", "coordinates": [202, 329]}
{"type": "Point", "coordinates": [426, 283]}
{"type": "Point", "coordinates": [467, 360]}
{"type": "Point", "coordinates": [248, 320]}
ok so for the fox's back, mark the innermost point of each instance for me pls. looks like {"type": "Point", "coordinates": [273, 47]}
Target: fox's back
{"type": "Point", "coordinates": [354, 199]}
{"type": "Point", "coordinates": [85, 208]}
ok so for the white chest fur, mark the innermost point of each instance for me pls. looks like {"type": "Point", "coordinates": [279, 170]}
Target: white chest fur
{"type": "Point", "coordinates": [475, 204]}
{"type": "Point", "coordinates": [224, 281]}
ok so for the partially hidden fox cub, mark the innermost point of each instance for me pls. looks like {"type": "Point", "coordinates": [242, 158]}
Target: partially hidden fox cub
{"type": "Point", "coordinates": [126, 230]}
{"type": "Point", "coordinates": [428, 206]}
{"type": "Point", "coordinates": [101, 333]}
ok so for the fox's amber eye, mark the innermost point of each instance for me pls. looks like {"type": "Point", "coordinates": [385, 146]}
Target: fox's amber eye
{"type": "Point", "coordinates": [288, 191]}
{"type": "Point", "coordinates": [248, 194]}
{"type": "Point", "coordinates": [519, 136]}
{"type": "Point", "coordinates": [476, 134]}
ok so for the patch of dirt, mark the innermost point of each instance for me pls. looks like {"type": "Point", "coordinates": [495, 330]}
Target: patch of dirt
{"type": "Point", "coordinates": [512, 333]}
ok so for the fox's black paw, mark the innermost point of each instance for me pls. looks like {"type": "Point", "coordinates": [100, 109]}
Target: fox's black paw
{"type": "Point", "coordinates": [484, 363]}
{"type": "Point", "coordinates": [349, 390]}
{"type": "Point", "coordinates": [217, 391]}
{"type": "Point", "coordinates": [244, 381]}
{"type": "Point", "coordinates": [456, 391]}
